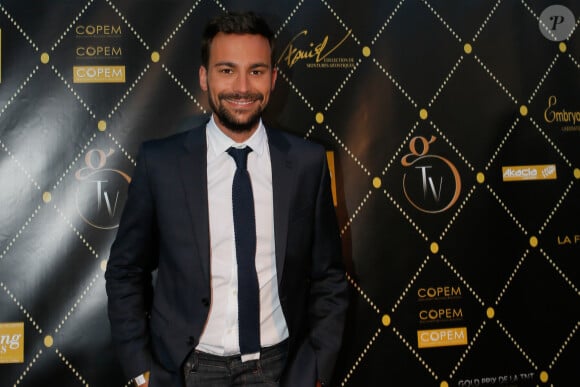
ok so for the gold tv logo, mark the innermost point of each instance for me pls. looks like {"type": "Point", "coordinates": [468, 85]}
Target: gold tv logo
{"type": "Point", "coordinates": [101, 192]}
{"type": "Point", "coordinates": [529, 172]}
{"type": "Point", "coordinates": [99, 74]}
{"type": "Point", "coordinates": [448, 337]}
{"type": "Point", "coordinates": [433, 183]}
{"type": "Point", "coordinates": [12, 342]}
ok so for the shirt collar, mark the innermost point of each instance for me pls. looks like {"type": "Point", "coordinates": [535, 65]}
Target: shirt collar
{"type": "Point", "coordinates": [218, 142]}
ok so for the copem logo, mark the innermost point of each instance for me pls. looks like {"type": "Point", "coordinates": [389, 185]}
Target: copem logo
{"type": "Point", "coordinates": [98, 42]}
{"type": "Point", "coordinates": [101, 192]}
{"type": "Point", "coordinates": [433, 184]}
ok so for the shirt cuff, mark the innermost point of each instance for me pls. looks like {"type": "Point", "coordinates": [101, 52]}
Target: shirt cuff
{"type": "Point", "coordinates": [140, 380]}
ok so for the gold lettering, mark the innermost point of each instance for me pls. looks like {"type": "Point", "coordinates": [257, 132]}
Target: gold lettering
{"type": "Point", "coordinates": [95, 161]}
{"type": "Point", "coordinates": [292, 55]}
{"type": "Point", "coordinates": [551, 102]}
{"type": "Point", "coordinates": [568, 240]}
{"type": "Point", "coordinates": [439, 292]}
{"type": "Point", "coordinates": [98, 30]}
{"type": "Point", "coordinates": [413, 148]}
{"type": "Point", "coordinates": [565, 241]}
{"type": "Point", "coordinates": [441, 314]}
{"type": "Point", "coordinates": [99, 51]}
{"type": "Point", "coordinates": [551, 115]}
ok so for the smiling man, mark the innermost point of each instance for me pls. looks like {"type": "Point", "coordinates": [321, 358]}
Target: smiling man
{"type": "Point", "coordinates": [237, 219]}
{"type": "Point", "coordinates": [238, 91]}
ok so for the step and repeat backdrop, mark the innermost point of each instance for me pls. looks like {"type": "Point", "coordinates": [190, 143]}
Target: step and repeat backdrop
{"type": "Point", "coordinates": [453, 136]}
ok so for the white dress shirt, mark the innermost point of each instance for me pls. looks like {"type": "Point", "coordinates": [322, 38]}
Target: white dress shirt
{"type": "Point", "coordinates": [220, 335]}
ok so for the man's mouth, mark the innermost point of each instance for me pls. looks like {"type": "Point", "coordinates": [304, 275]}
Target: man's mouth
{"type": "Point", "coordinates": [242, 100]}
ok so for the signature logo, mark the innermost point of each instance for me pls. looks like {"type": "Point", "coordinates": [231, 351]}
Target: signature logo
{"type": "Point", "coordinates": [101, 191]}
{"type": "Point", "coordinates": [318, 52]}
{"type": "Point", "coordinates": [433, 185]}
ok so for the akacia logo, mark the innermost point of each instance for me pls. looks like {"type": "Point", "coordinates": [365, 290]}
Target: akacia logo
{"type": "Point", "coordinates": [529, 172]}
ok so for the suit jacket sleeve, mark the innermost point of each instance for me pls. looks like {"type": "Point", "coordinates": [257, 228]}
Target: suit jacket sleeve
{"type": "Point", "coordinates": [328, 290]}
{"type": "Point", "coordinates": [327, 298]}
{"type": "Point", "coordinates": [128, 276]}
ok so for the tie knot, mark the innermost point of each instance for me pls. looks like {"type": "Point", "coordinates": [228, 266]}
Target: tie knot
{"type": "Point", "coordinates": [240, 155]}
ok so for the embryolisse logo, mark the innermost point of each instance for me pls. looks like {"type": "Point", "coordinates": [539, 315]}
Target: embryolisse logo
{"type": "Point", "coordinates": [433, 184]}
{"type": "Point", "coordinates": [570, 119]}
{"type": "Point", "coordinates": [101, 192]}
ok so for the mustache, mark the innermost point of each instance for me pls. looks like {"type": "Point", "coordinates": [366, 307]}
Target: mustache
{"type": "Point", "coordinates": [242, 96]}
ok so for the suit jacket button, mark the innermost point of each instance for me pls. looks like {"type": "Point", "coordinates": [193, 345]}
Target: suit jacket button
{"type": "Point", "coordinates": [191, 340]}
{"type": "Point", "coordinates": [205, 302]}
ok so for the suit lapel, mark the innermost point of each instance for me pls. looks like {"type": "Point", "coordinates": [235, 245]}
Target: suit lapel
{"type": "Point", "coordinates": [193, 171]}
{"type": "Point", "coordinates": [282, 183]}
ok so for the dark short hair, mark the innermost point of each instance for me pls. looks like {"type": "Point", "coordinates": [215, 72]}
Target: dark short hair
{"type": "Point", "coordinates": [235, 23]}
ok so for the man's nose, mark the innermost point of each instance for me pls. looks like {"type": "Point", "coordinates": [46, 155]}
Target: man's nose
{"type": "Point", "coordinates": [242, 83]}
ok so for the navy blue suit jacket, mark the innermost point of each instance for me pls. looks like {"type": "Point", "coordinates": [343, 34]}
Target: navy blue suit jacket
{"type": "Point", "coordinates": [165, 227]}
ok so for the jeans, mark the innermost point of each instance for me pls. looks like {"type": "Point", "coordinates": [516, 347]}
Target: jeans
{"type": "Point", "coordinates": [206, 370]}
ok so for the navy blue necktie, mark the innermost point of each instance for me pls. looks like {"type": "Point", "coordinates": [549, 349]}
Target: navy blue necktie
{"type": "Point", "coordinates": [245, 238]}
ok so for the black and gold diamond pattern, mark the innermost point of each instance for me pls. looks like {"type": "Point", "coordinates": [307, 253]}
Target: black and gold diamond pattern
{"type": "Point", "coordinates": [474, 85]}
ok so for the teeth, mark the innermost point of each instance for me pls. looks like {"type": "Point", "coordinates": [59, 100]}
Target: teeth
{"type": "Point", "coordinates": [239, 102]}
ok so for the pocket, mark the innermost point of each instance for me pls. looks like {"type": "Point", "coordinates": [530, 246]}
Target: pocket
{"type": "Point", "coordinates": [272, 366]}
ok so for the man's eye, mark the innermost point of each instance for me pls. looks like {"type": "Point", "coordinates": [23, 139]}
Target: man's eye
{"type": "Point", "coordinates": [226, 71]}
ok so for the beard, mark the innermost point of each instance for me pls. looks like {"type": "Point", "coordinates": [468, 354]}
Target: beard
{"type": "Point", "coordinates": [228, 118]}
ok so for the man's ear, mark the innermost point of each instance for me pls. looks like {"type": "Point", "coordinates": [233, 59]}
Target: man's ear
{"type": "Point", "coordinates": [203, 78]}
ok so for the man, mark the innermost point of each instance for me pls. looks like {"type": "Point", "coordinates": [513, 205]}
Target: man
{"type": "Point", "coordinates": [183, 219]}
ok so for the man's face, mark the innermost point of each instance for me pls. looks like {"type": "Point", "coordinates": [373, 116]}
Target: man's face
{"type": "Point", "coordinates": [239, 78]}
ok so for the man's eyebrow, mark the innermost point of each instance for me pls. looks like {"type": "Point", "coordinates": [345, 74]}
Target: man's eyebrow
{"type": "Point", "coordinates": [232, 64]}
{"type": "Point", "coordinates": [229, 64]}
